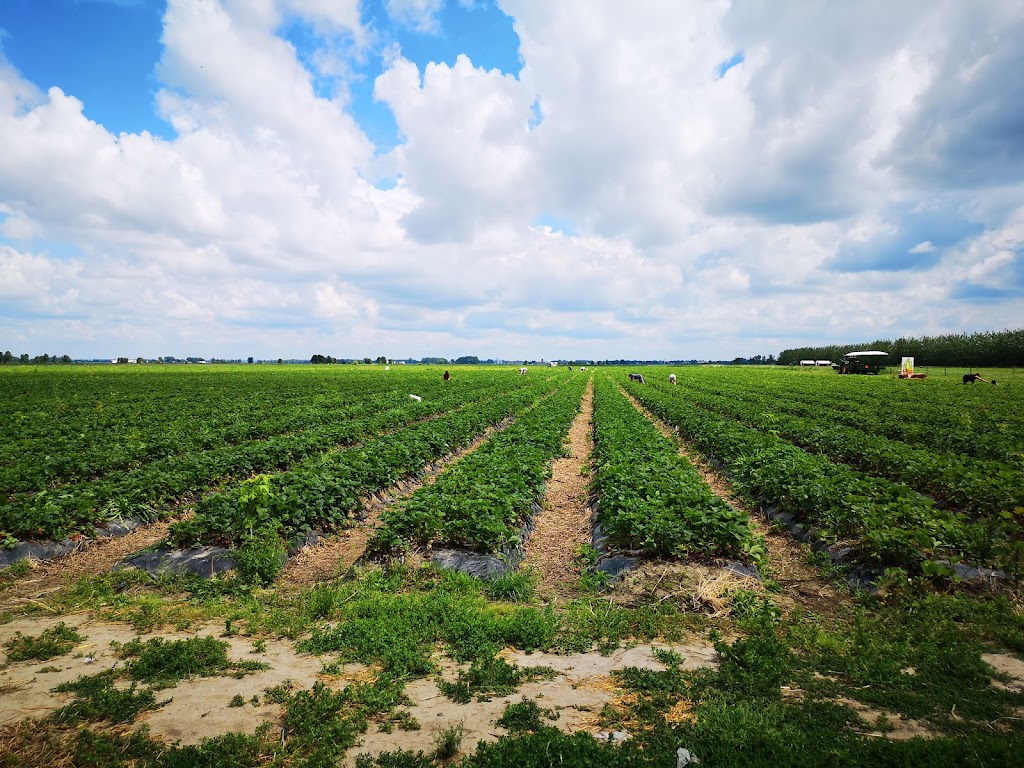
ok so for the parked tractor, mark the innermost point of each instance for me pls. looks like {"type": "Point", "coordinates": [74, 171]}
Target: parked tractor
{"type": "Point", "coordinates": [865, 361]}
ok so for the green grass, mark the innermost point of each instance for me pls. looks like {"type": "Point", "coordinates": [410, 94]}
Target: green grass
{"type": "Point", "coordinates": [910, 655]}
{"type": "Point", "coordinates": [525, 716]}
{"type": "Point", "coordinates": [51, 643]}
{"type": "Point", "coordinates": [514, 586]}
{"type": "Point", "coordinates": [448, 741]}
{"type": "Point", "coordinates": [12, 573]}
{"type": "Point", "coordinates": [488, 677]}
{"type": "Point", "coordinates": [97, 698]}
{"type": "Point", "coordinates": [161, 663]}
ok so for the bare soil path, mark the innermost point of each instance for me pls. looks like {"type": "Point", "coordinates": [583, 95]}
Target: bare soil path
{"type": "Point", "coordinates": [803, 585]}
{"type": "Point", "coordinates": [551, 550]}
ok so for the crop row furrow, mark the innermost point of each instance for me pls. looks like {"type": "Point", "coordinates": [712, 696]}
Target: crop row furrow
{"type": "Point", "coordinates": [886, 523]}
{"type": "Point", "coordinates": [650, 498]}
{"type": "Point", "coordinates": [978, 487]}
{"type": "Point", "coordinates": [481, 502]}
{"type": "Point", "coordinates": [326, 493]}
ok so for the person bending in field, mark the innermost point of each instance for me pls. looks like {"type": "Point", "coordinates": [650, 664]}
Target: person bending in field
{"type": "Point", "coordinates": [671, 378]}
{"type": "Point", "coordinates": [447, 376]}
{"type": "Point", "coordinates": [970, 378]}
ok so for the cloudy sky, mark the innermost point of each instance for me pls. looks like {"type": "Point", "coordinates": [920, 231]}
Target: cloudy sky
{"type": "Point", "coordinates": [506, 178]}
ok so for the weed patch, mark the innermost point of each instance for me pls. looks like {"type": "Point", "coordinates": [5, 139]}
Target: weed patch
{"type": "Point", "coordinates": [97, 698]}
{"type": "Point", "coordinates": [49, 644]}
{"type": "Point", "coordinates": [400, 759]}
{"type": "Point", "coordinates": [525, 716]}
{"type": "Point", "coordinates": [490, 677]}
{"type": "Point", "coordinates": [514, 586]}
{"type": "Point", "coordinates": [12, 573]}
{"type": "Point", "coordinates": [448, 741]}
{"type": "Point", "coordinates": [162, 663]}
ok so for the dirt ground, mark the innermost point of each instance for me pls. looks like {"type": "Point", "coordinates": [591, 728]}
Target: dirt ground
{"type": "Point", "coordinates": [564, 524]}
{"type": "Point", "coordinates": [199, 708]}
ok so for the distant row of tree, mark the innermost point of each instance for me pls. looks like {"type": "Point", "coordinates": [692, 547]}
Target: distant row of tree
{"type": "Point", "coordinates": [328, 360]}
{"type": "Point", "coordinates": [24, 359]}
{"type": "Point", "coordinates": [382, 360]}
{"type": "Point", "coordinates": [992, 349]}
{"type": "Point", "coordinates": [7, 358]}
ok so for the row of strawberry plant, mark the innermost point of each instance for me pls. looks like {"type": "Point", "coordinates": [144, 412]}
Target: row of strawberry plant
{"type": "Point", "coordinates": [53, 514]}
{"type": "Point", "coordinates": [650, 498]}
{"type": "Point", "coordinates": [885, 523]}
{"type": "Point", "coordinates": [976, 422]}
{"type": "Point", "coordinates": [179, 418]}
{"type": "Point", "coordinates": [482, 502]}
{"type": "Point", "coordinates": [979, 487]}
{"type": "Point", "coordinates": [938, 414]}
{"type": "Point", "coordinates": [325, 493]}
{"type": "Point", "coordinates": [112, 419]}
{"type": "Point", "coordinates": [61, 462]}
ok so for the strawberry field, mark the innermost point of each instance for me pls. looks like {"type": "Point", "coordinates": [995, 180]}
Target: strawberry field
{"type": "Point", "coordinates": [83, 447]}
{"type": "Point", "coordinates": [917, 474]}
{"type": "Point", "coordinates": [926, 476]}
{"type": "Point", "coordinates": [769, 566]}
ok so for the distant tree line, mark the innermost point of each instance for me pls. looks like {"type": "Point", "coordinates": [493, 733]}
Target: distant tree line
{"type": "Point", "coordinates": [7, 358]}
{"type": "Point", "coordinates": [992, 349]}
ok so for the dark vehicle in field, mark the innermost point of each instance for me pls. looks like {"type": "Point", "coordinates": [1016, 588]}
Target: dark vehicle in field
{"type": "Point", "coordinates": [865, 361]}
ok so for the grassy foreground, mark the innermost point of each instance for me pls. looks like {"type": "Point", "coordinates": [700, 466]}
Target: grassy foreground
{"type": "Point", "coordinates": [789, 689]}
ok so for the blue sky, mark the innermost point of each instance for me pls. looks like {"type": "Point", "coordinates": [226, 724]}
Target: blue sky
{"type": "Point", "coordinates": [506, 178]}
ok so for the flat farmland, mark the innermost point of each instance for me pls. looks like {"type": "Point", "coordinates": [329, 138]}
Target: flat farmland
{"type": "Point", "coordinates": [370, 566]}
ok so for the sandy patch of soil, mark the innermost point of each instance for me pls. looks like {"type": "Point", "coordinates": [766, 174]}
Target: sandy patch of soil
{"type": "Point", "coordinates": [581, 666]}
{"type": "Point", "coordinates": [564, 524]}
{"type": "Point", "coordinates": [1006, 664]}
{"type": "Point", "coordinates": [581, 688]}
{"type": "Point", "coordinates": [200, 707]}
